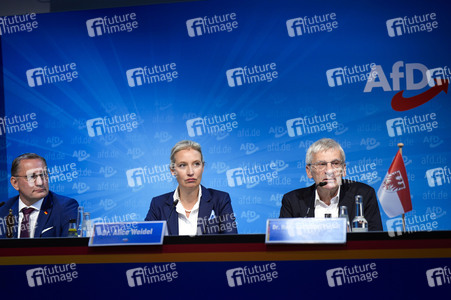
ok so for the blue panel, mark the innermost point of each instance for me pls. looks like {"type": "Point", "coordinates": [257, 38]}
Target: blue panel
{"type": "Point", "coordinates": [103, 95]}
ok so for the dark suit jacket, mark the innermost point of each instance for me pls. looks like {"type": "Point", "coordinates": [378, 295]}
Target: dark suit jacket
{"type": "Point", "coordinates": [296, 203]}
{"type": "Point", "coordinates": [54, 223]}
{"type": "Point", "coordinates": [162, 208]}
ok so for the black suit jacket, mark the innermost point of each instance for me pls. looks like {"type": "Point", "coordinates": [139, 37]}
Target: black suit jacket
{"type": "Point", "coordinates": [212, 201]}
{"type": "Point", "coordinates": [296, 203]}
{"type": "Point", "coordinates": [53, 218]}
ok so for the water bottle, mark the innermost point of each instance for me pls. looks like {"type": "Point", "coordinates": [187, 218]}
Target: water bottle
{"type": "Point", "coordinates": [72, 228]}
{"type": "Point", "coordinates": [359, 224]}
{"type": "Point", "coordinates": [343, 213]}
{"type": "Point", "coordinates": [86, 225]}
{"type": "Point", "coordinates": [80, 220]}
{"type": "Point", "coordinates": [10, 224]}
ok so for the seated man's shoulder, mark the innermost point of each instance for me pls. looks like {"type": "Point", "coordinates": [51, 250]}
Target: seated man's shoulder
{"type": "Point", "coordinates": [162, 197]}
{"type": "Point", "coordinates": [356, 185]}
{"type": "Point", "coordinates": [299, 192]}
{"type": "Point", "coordinates": [62, 200]}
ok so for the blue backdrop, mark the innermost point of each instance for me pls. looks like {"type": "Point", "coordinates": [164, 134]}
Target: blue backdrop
{"type": "Point", "coordinates": [103, 95]}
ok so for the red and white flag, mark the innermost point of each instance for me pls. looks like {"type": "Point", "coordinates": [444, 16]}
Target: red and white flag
{"type": "Point", "coordinates": [394, 193]}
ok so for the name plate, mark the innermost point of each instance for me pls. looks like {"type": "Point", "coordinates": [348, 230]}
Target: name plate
{"type": "Point", "coordinates": [306, 231]}
{"type": "Point", "coordinates": [128, 233]}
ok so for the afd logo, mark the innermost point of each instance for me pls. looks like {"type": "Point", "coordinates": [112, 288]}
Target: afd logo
{"type": "Point", "coordinates": [110, 25]}
{"type": "Point", "coordinates": [135, 177]}
{"type": "Point", "coordinates": [35, 277]}
{"type": "Point", "coordinates": [210, 25]}
{"type": "Point", "coordinates": [408, 25]}
{"type": "Point", "coordinates": [438, 176]}
{"type": "Point", "coordinates": [438, 276]}
{"type": "Point", "coordinates": [415, 79]}
{"type": "Point", "coordinates": [135, 277]}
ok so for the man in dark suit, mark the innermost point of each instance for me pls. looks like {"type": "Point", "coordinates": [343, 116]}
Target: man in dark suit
{"type": "Point", "coordinates": [37, 212]}
{"type": "Point", "coordinates": [325, 163]}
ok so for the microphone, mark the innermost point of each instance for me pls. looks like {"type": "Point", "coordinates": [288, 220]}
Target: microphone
{"type": "Point", "coordinates": [322, 183]}
{"type": "Point", "coordinates": [2, 203]}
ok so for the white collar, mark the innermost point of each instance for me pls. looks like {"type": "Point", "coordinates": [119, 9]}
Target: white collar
{"type": "Point", "coordinates": [37, 205]}
{"type": "Point", "coordinates": [334, 200]}
{"type": "Point", "coordinates": [179, 206]}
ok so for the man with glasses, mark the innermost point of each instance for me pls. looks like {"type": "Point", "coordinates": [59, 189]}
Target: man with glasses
{"type": "Point", "coordinates": [37, 211]}
{"type": "Point", "coordinates": [325, 163]}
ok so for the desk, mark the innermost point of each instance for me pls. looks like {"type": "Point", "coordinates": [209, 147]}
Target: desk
{"type": "Point", "coordinates": [368, 265]}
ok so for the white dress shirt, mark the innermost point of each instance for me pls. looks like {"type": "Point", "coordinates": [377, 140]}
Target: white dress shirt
{"type": "Point", "coordinates": [322, 208]}
{"type": "Point", "coordinates": [33, 216]}
{"type": "Point", "coordinates": [187, 225]}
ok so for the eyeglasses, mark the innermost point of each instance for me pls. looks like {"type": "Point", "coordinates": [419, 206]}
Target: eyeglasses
{"type": "Point", "coordinates": [322, 165]}
{"type": "Point", "coordinates": [31, 178]}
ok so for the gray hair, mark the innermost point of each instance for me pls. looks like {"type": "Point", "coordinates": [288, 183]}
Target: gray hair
{"type": "Point", "coordinates": [183, 145]}
{"type": "Point", "coordinates": [323, 145]}
{"type": "Point", "coordinates": [16, 162]}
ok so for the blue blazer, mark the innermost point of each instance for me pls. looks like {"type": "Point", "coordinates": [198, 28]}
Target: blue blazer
{"type": "Point", "coordinates": [53, 218]}
{"type": "Point", "coordinates": [215, 213]}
